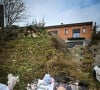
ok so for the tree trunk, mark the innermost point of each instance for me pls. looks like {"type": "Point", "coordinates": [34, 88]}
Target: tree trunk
{"type": "Point", "coordinates": [1, 23]}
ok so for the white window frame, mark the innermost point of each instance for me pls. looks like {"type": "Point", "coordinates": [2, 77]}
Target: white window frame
{"type": "Point", "coordinates": [66, 31]}
{"type": "Point", "coordinates": [84, 30]}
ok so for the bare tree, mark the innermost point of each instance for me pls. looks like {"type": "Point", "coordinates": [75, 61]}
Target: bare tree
{"type": "Point", "coordinates": [38, 25]}
{"type": "Point", "coordinates": [13, 11]}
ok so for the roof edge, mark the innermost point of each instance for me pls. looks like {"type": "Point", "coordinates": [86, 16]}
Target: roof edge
{"type": "Point", "coordinates": [67, 25]}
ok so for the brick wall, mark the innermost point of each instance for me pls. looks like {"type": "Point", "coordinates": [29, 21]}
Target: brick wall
{"type": "Point", "coordinates": [61, 30]}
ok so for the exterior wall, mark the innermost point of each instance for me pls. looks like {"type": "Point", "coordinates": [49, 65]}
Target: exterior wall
{"type": "Point", "coordinates": [63, 36]}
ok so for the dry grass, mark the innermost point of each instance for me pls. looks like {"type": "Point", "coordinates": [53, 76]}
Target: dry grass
{"type": "Point", "coordinates": [31, 58]}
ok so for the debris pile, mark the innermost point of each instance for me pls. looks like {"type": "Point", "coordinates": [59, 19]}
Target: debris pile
{"type": "Point", "coordinates": [59, 82]}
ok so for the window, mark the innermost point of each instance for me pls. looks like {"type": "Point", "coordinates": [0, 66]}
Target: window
{"type": "Point", "coordinates": [84, 30]}
{"type": "Point", "coordinates": [66, 31]}
{"type": "Point", "coordinates": [76, 33]}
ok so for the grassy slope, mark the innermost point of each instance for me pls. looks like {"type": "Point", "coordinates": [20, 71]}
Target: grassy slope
{"type": "Point", "coordinates": [31, 58]}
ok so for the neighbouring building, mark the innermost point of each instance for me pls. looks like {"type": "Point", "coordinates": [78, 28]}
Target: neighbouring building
{"type": "Point", "coordinates": [73, 34]}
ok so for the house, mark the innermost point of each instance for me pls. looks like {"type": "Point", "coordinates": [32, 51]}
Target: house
{"type": "Point", "coordinates": [73, 34]}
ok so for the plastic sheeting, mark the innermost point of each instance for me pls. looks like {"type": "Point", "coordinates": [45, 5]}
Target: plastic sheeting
{"type": "Point", "coordinates": [3, 87]}
{"type": "Point", "coordinates": [43, 86]}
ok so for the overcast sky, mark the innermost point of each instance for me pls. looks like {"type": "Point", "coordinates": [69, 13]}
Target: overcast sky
{"type": "Point", "coordinates": [56, 12]}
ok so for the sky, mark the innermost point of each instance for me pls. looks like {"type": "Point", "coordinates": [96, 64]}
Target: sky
{"type": "Point", "coordinates": [56, 12]}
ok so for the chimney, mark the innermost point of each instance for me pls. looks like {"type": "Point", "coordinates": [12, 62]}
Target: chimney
{"type": "Point", "coordinates": [61, 23]}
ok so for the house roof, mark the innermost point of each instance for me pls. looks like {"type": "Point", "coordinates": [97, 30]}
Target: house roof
{"type": "Point", "coordinates": [67, 25]}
